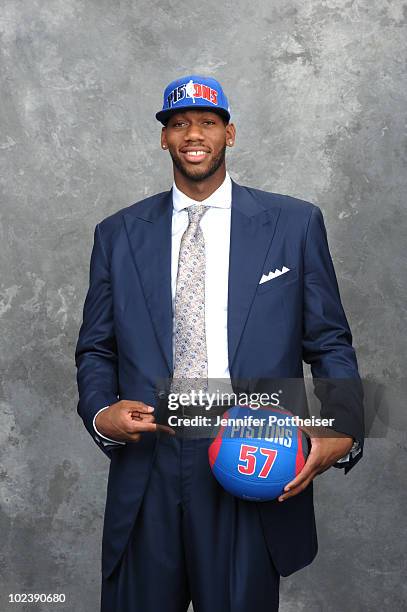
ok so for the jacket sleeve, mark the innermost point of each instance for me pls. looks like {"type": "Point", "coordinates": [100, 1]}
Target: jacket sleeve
{"type": "Point", "coordinates": [96, 351]}
{"type": "Point", "coordinates": [327, 340]}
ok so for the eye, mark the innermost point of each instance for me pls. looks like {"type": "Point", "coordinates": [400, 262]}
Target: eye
{"type": "Point", "coordinates": [209, 121]}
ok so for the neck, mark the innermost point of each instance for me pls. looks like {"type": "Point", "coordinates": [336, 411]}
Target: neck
{"type": "Point", "coordinates": [200, 190]}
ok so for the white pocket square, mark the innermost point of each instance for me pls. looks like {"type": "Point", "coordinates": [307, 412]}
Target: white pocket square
{"type": "Point", "coordinates": [271, 274]}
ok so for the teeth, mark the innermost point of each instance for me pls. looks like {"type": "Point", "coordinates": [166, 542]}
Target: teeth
{"type": "Point", "coordinates": [195, 153]}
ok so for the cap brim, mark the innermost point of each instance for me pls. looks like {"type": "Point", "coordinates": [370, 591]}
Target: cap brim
{"type": "Point", "coordinates": [164, 115]}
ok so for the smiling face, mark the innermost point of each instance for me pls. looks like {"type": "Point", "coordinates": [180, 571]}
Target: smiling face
{"type": "Point", "coordinates": [197, 140]}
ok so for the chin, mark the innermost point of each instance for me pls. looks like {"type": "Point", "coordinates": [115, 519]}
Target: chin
{"type": "Point", "coordinates": [198, 175]}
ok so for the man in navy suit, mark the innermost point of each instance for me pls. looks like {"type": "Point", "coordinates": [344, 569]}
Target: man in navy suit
{"type": "Point", "coordinates": [227, 282]}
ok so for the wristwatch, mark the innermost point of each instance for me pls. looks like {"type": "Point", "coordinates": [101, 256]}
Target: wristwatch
{"type": "Point", "coordinates": [355, 449]}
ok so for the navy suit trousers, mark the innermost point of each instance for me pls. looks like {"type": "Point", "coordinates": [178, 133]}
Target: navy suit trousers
{"type": "Point", "coordinates": [192, 541]}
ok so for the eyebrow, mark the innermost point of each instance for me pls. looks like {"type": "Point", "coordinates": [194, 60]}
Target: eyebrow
{"type": "Point", "coordinates": [182, 116]}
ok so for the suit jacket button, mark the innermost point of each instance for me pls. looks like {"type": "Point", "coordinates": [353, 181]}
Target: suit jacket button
{"type": "Point", "coordinates": [161, 394]}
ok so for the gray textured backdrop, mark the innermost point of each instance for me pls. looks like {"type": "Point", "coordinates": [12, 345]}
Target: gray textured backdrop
{"type": "Point", "coordinates": [318, 95]}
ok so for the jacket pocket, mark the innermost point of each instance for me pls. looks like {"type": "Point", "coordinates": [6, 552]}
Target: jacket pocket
{"type": "Point", "coordinates": [280, 281]}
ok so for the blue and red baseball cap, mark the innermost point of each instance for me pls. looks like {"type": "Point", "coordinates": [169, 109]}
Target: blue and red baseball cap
{"type": "Point", "coordinates": [193, 91]}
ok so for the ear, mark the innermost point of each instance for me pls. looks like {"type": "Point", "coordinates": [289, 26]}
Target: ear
{"type": "Point", "coordinates": [230, 134]}
{"type": "Point", "coordinates": [164, 144]}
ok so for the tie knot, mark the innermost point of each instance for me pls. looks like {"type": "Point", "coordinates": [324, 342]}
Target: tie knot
{"type": "Point", "coordinates": [195, 213]}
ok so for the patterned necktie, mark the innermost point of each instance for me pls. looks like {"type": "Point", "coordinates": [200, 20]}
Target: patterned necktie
{"type": "Point", "coordinates": [190, 359]}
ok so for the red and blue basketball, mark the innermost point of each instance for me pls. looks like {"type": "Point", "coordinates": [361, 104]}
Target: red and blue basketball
{"type": "Point", "coordinates": [257, 452]}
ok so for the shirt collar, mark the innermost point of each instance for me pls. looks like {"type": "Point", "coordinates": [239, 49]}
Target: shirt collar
{"type": "Point", "coordinates": [220, 198]}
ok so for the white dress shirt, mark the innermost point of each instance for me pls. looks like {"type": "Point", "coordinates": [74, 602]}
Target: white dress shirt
{"type": "Point", "coordinates": [215, 225]}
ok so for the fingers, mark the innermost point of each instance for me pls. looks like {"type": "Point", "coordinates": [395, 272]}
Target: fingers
{"type": "Point", "coordinates": [306, 471]}
{"type": "Point", "coordinates": [141, 420]}
{"type": "Point", "coordinates": [140, 411]}
{"type": "Point", "coordinates": [138, 407]}
{"type": "Point", "coordinates": [323, 454]}
{"type": "Point", "coordinates": [146, 418]}
{"type": "Point", "coordinates": [141, 426]}
{"type": "Point", "coordinates": [298, 488]}
{"type": "Point", "coordinates": [166, 429]}
{"type": "Point", "coordinates": [302, 480]}
{"type": "Point", "coordinates": [133, 437]}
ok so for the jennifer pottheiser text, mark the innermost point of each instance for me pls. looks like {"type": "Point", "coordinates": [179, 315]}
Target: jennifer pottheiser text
{"type": "Point", "coordinates": [249, 421]}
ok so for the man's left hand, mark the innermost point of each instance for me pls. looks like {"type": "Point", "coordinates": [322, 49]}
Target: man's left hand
{"type": "Point", "coordinates": [323, 454]}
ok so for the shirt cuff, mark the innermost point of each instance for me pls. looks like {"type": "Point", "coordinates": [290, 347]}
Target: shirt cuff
{"type": "Point", "coordinates": [104, 439]}
{"type": "Point", "coordinates": [355, 450]}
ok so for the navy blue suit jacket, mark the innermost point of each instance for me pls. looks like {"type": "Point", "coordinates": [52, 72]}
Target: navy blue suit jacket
{"type": "Point", "coordinates": [125, 341]}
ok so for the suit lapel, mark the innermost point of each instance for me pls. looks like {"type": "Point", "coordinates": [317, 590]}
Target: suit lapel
{"type": "Point", "coordinates": [148, 227]}
{"type": "Point", "coordinates": [251, 233]}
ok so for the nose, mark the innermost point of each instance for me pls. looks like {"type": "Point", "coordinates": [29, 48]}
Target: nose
{"type": "Point", "coordinates": [193, 132]}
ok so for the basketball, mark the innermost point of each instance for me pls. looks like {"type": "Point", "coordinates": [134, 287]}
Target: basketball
{"type": "Point", "coordinates": [256, 452]}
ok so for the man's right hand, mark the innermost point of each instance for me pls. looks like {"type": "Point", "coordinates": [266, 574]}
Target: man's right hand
{"type": "Point", "coordinates": [126, 420]}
